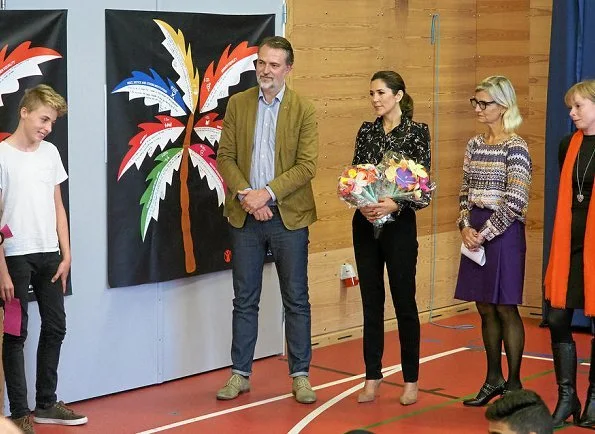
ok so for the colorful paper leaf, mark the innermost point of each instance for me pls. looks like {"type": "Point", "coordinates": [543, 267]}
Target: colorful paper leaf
{"type": "Point", "coordinates": [22, 62]}
{"type": "Point", "coordinates": [153, 136]}
{"type": "Point", "coordinates": [203, 159]}
{"type": "Point", "coordinates": [154, 90]}
{"type": "Point", "coordinates": [160, 177]}
{"type": "Point", "coordinates": [175, 44]}
{"type": "Point", "coordinates": [209, 128]}
{"type": "Point", "coordinates": [6, 231]}
{"type": "Point", "coordinates": [405, 179]}
{"type": "Point", "coordinates": [216, 84]}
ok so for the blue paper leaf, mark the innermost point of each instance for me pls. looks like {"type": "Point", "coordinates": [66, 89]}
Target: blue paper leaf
{"type": "Point", "coordinates": [142, 85]}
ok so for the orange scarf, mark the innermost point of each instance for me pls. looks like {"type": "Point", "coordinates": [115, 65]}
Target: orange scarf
{"type": "Point", "coordinates": [558, 269]}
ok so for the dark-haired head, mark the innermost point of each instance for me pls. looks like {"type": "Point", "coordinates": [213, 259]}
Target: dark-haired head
{"type": "Point", "coordinates": [522, 412]}
{"type": "Point", "coordinates": [280, 43]}
{"type": "Point", "coordinates": [396, 83]}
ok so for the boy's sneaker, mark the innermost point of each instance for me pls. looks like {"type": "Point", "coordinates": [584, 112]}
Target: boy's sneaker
{"type": "Point", "coordinates": [59, 414]}
{"type": "Point", "coordinates": [24, 424]}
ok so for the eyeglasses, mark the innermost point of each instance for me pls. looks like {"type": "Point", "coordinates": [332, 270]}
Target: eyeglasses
{"type": "Point", "coordinates": [482, 104]}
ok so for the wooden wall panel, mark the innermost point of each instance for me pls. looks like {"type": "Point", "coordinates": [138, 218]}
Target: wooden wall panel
{"type": "Point", "coordinates": [336, 47]}
{"type": "Point", "coordinates": [339, 45]}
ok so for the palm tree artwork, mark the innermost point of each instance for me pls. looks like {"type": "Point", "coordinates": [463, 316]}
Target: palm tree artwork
{"type": "Point", "coordinates": [186, 129]}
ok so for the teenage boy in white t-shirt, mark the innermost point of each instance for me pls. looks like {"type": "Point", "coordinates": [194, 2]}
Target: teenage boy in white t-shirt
{"type": "Point", "coordinates": [31, 171]}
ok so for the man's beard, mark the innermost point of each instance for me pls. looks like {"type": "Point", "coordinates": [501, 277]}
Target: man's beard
{"type": "Point", "coordinates": [265, 83]}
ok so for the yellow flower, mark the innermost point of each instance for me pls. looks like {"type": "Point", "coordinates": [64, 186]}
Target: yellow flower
{"type": "Point", "coordinates": [391, 173]}
{"type": "Point", "coordinates": [417, 169]}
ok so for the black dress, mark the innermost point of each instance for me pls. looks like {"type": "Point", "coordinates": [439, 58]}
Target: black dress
{"type": "Point", "coordinates": [575, 297]}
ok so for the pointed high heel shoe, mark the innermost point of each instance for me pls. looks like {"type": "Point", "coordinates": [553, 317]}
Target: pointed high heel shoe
{"type": "Point", "coordinates": [409, 395]}
{"type": "Point", "coordinates": [485, 395]}
{"type": "Point", "coordinates": [370, 390]}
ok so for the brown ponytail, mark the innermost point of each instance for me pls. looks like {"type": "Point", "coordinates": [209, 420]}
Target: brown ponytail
{"type": "Point", "coordinates": [406, 105]}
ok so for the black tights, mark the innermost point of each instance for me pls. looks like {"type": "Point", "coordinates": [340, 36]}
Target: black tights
{"type": "Point", "coordinates": [502, 323]}
{"type": "Point", "coordinates": [560, 321]}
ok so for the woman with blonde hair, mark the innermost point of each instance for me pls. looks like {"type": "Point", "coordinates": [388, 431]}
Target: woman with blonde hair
{"type": "Point", "coordinates": [570, 278]}
{"type": "Point", "coordinates": [493, 205]}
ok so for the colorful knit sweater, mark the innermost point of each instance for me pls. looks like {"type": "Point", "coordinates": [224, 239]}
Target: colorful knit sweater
{"type": "Point", "coordinates": [495, 177]}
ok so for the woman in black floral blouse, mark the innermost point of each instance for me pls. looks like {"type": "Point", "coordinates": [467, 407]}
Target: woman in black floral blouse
{"type": "Point", "coordinates": [393, 130]}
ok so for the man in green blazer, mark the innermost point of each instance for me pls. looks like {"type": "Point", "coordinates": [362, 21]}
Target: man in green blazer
{"type": "Point", "coordinates": [267, 156]}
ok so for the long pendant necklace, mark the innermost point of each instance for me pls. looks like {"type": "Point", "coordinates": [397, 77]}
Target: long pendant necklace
{"type": "Point", "coordinates": [580, 184]}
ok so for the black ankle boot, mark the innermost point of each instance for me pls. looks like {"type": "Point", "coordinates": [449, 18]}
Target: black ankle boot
{"type": "Point", "coordinates": [565, 367]}
{"type": "Point", "coordinates": [485, 395]}
{"type": "Point", "coordinates": [588, 417]}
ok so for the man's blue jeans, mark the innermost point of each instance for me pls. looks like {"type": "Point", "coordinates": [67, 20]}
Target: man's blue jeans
{"type": "Point", "coordinates": [290, 253]}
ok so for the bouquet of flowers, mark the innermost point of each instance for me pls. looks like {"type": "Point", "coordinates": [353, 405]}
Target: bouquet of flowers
{"type": "Point", "coordinates": [401, 178]}
{"type": "Point", "coordinates": [396, 177]}
{"type": "Point", "coordinates": [357, 188]}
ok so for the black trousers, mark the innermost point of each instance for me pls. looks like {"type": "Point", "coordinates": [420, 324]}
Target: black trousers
{"type": "Point", "coordinates": [38, 269]}
{"type": "Point", "coordinates": [397, 248]}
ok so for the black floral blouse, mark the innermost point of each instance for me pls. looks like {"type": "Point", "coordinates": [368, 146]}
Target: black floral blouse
{"type": "Point", "coordinates": [409, 138]}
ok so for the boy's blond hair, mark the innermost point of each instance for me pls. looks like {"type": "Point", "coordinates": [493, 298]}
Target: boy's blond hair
{"type": "Point", "coordinates": [42, 94]}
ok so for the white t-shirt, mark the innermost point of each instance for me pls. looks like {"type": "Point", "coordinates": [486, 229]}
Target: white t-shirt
{"type": "Point", "coordinates": [27, 182]}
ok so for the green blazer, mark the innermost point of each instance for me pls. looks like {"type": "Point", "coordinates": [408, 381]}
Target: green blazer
{"type": "Point", "coordinates": [296, 154]}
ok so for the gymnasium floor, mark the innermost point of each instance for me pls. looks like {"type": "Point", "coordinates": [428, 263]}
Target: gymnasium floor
{"type": "Point", "coordinates": [452, 369]}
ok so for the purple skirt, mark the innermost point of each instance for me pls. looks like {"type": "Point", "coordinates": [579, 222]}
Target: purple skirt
{"type": "Point", "coordinates": [500, 280]}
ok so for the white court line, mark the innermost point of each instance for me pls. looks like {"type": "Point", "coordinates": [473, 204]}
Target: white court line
{"type": "Point", "coordinates": [328, 404]}
{"type": "Point", "coordinates": [550, 359]}
{"type": "Point", "coordinates": [387, 372]}
{"type": "Point", "coordinates": [258, 403]}
{"type": "Point", "coordinates": [547, 359]}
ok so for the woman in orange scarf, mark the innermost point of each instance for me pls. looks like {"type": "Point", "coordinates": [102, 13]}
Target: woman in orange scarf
{"type": "Point", "coordinates": [570, 278]}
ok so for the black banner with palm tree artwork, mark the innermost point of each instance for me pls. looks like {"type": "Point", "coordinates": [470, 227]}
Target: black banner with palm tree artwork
{"type": "Point", "coordinates": [169, 77]}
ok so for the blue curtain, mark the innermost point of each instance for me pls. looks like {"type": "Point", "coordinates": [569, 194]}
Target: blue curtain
{"type": "Point", "coordinates": [572, 59]}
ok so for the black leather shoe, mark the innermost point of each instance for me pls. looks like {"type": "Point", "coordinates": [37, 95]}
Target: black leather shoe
{"type": "Point", "coordinates": [588, 418]}
{"type": "Point", "coordinates": [485, 395]}
{"type": "Point", "coordinates": [568, 404]}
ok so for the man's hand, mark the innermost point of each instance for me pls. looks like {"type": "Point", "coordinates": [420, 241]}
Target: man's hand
{"type": "Point", "coordinates": [6, 287]}
{"type": "Point", "coordinates": [263, 214]}
{"type": "Point", "coordinates": [62, 273]}
{"type": "Point", "coordinates": [254, 199]}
